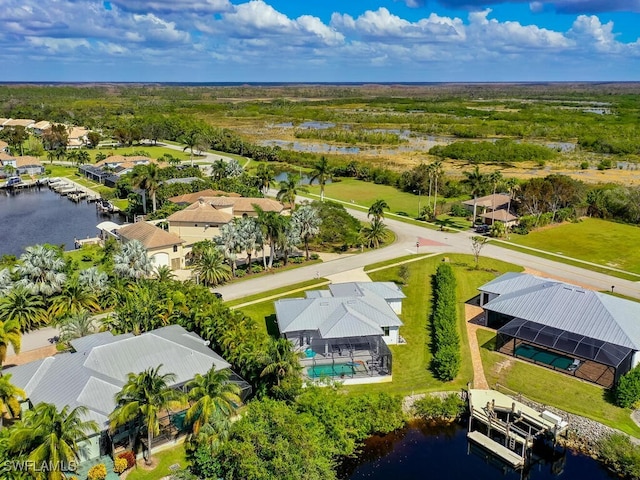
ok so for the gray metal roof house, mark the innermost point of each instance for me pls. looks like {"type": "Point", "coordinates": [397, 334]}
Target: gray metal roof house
{"type": "Point", "coordinates": [343, 331]}
{"type": "Point", "coordinates": [96, 371]}
{"type": "Point", "coordinates": [589, 334]}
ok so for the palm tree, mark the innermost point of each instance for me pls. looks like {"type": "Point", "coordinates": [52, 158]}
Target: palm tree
{"type": "Point", "coordinates": [9, 394]}
{"type": "Point", "coordinates": [477, 183]}
{"type": "Point", "coordinates": [211, 393]}
{"type": "Point", "coordinates": [9, 335]}
{"type": "Point", "coordinates": [51, 437]}
{"type": "Point", "coordinates": [280, 360]}
{"type": "Point", "coordinates": [375, 233]}
{"type": "Point", "coordinates": [321, 172]}
{"type": "Point", "coordinates": [251, 238]}
{"type": "Point", "coordinates": [230, 241]}
{"type": "Point", "coordinates": [289, 189]}
{"type": "Point", "coordinates": [193, 139]}
{"type": "Point", "coordinates": [219, 169]}
{"type": "Point", "coordinates": [210, 267]}
{"type": "Point", "coordinates": [512, 186]}
{"type": "Point", "coordinates": [83, 157]}
{"type": "Point", "coordinates": [73, 299]}
{"type": "Point", "coordinates": [147, 177]}
{"type": "Point", "coordinates": [77, 325]}
{"type": "Point", "coordinates": [144, 396]}
{"type": "Point", "coordinates": [272, 225]}
{"type": "Point", "coordinates": [93, 279]}
{"type": "Point", "coordinates": [306, 220]}
{"type": "Point", "coordinates": [164, 274]}
{"type": "Point", "coordinates": [266, 176]}
{"type": "Point", "coordinates": [6, 283]}
{"type": "Point", "coordinates": [494, 178]}
{"type": "Point", "coordinates": [132, 261]}
{"type": "Point", "coordinates": [41, 269]}
{"type": "Point", "coordinates": [377, 208]}
{"type": "Point", "coordinates": [25, 308]}
{"type": "Point", "coordinates": [436, 173]}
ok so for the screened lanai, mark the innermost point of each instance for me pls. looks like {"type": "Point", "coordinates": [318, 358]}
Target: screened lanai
{"type": "Point", "coordinates": [584, 357]}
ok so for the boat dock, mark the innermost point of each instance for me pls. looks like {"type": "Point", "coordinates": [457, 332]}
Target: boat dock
{"type": "Point", "coordinates": [21, 185]}
{"type": "Point", "coordinates": [72, 190]}
{"type": "Point", "coordinates": [509, 428]}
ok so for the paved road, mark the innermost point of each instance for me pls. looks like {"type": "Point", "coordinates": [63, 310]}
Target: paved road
{"type": "Point", "coordinates": [405, 244]}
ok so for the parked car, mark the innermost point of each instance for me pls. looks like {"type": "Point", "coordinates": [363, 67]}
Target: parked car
{"type": "Point", "coordinates": [482, 228]}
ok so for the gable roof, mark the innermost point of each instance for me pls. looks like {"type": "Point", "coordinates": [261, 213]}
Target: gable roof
{"type": "Point", "coordinates": [245, 204]}
{"type": "Point", "coordinates": [18, 122]}
{"type": "Point", "coordinates": [573, 309]}
{"type": "Point", "coordinates": [336, 317]}
{"type": "Point", "coordinates": [500, 215]}
{"type": "Point", "coordinates": [91, 377]}
{"type": "Point", "coordinates": [194, 197]}
{"type": "Point", "coordinates": [489, 201]}
{"type": "Point", "coordinates": [201, 212]}
{"type": "Point", "coordinates": [149, 235]}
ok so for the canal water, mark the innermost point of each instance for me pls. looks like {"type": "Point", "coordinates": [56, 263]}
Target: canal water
{"type": "Point", "coordinates": [421, 452]}
{"type": "Point", "coordinates": [32, 216]}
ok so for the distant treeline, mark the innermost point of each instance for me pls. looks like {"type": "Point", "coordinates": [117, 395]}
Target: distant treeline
{"type": "Point", "coordinates": [500, 151]}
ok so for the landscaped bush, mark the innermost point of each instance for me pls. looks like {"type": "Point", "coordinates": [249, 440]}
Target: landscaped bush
{"type": "Point", "coordinates": [458, 210]}
{"type": "Point", "coordinates": [621, 455]}
{"type": "Point", "coordinates": [314, 256]}
{"type": "Point", "coordinates": [98, 472]}
{"type": "Point", "coordinates": [297, 260]}
{"type": "Point", "coordinates": [129, 456]}
{"type": "Point", "coordinates": [434, 408]}
{"type": "Point", "coordinates": [444, 320]}
{"type": "Point", "coordinates": [120, 465]}
{"type": "Point", "coordinates": [256, 268]}
{"type": "Point", "coordinates": [240, 273]}
{"type": "Point", "coordinates": [628, 389]}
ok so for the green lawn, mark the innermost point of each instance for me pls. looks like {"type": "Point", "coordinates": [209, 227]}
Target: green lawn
{"type": "Point", "coordinates": [166, 459]}
{"type": "Point", "coordinates": [72, 173]}
{"type": "Point", "coordinates": [599, 241]}
{"type": "Point", "coordinates": [88, 256]}
{"type": "Point", "coordinates": [552, 388]}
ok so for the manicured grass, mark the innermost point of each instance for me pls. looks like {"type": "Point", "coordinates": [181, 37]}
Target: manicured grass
{"type": "Point", "coordinates": [387, 263]}
{"type": "Point", "coordinates": [411, 361]}
{"type": "Point", "coordinates": [166, 459]}
{"type": "Point", "coordinates": [552, 388]}
{"type": "Point", "coordinates": [88, 256]}
{"type": "Point", "coordinates": [275, 292]}
{"type": "Point", "coordinates": [599, 241]}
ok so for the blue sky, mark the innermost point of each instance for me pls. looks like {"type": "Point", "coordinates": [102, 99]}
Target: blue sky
{"type": "Point", "coordinates": [320, 40]}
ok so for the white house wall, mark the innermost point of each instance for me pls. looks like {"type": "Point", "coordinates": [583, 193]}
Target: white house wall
{"type": "Point", "coordinates": [394, 336]}
{"type": "Point", "coordinates": [396, 305]}
{"type": "Point", "coordinates": [635, 360]}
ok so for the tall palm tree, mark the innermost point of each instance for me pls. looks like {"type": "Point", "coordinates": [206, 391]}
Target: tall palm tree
{"type": "Point", "coordinates": [9, 398]}
{"type": "Point", "coordinates": [193, 139]}
{"type": "Point", "coordinates": [266, 176]}
{"type": "Point", "coordinates": [219, 169]}
{"type": "Point", "coordinates": [144, 396]}
{"type": "Point", "coordinates": [251, 237]}
{"type": "Point", "coordinates": [77, 325]}
{"type": "Point", "coordinates": [9, 335]}
{"type": "Point", "coordinates": [289, 188]}
{"type": "Point", "coordinates": [147, 177]}
{"type": "Point", "coordinates": [374, 233]}
{"type": "Point", "coordinates": [477, 183]}
{"type": "Point", "coordinates": [41, 269]}
{"type": "Point", "coordinates": [51, 437]}
{"type": "Point", "coordinates": [273, 226]}
{"type": "Point", "coordinates": [512, 187]}
{"type": "Point", "coordinates": [211, 393]}
{"type": "Point", "coordinates": [321, 172]}
{"type": "Point", "coordinates": [494, 179]}
{"type": "Point", "coordinates": [24, 307]}
{"type": "Point", "coordinates": [131, 261]}
{"type": "Point", "coordinates": [280, 360]}
{"type": "Point", "coordinates": [436, 173]}
{"type": "Point", "coordinates": [306, 220]}
{"type": "Point", "coordinates": [73, 299]}
{"type": "Point", "coordinates": [230, 241]}
{"type": "Point", "coordinates": [377, 208]}
{"type": "Point", "coordinates": [210, 267]}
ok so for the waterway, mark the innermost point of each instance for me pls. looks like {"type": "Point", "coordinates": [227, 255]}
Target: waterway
{"type": "Point", "coordinates": [419, 452]}
{"type": "Point", "coordinates": [32, 216]}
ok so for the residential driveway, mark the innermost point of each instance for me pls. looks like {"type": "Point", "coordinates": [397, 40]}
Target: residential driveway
{"type": "Point", "coordinates": [355, 275]}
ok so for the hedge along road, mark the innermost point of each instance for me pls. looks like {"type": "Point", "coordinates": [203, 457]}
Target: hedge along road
{"type": "Point", "coordinates": [448, 242]}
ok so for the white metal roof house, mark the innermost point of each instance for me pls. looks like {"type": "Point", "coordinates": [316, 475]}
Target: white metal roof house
{"type": "Point", "coordinates": [589, 334]}
{"type": "Point", "coordinates": [344, 331]}
{"type": "Point", "coordinates": [96, 371]}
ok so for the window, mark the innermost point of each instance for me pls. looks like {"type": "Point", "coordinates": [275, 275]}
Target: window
{"type": "Point", "coordinates": [385, 331]}
{"type": "Point", "coordinates": [175, 248]}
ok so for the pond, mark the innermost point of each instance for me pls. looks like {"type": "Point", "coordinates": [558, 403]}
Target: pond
{"type": "Point", "coordinates": [419, 452]}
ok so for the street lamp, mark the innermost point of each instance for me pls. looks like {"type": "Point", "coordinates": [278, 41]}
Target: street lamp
{"type": "Point", "coordinates": [419, 200]}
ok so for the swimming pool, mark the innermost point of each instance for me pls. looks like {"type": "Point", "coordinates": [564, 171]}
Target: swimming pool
{"type": "Point", "coordinates": [335, 370]}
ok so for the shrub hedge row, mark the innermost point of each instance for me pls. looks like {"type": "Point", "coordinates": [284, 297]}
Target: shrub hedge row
{"type": "Point", "coordinates": [446, 341]}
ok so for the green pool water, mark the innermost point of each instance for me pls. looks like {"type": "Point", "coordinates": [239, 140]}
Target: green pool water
{"type": "Point", "coordinates": [335, 370]}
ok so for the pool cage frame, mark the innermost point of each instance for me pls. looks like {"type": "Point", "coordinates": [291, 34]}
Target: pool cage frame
{"type": "Point", "coordinates": [368, 356]}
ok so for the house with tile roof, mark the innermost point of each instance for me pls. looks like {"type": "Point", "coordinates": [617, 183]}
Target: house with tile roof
{"type": "Point", "coordinates": [190, 198]}
{"type": "Point", "coordinates": [343, 332]}
{"type": "Point", "coordinates": [96, 370]}
{"type": "Point", "coordinates": [587, 334]}
{"type": "Point", "coordinates": [203, 218]}
{"type": "Point", "coordinates": [163, 248]}
{"type": "Point", "coordinates": [24, 165]}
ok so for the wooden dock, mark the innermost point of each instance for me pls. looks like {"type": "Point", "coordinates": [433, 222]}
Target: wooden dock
{"type": "Point", "coordinates": [508, 456]}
